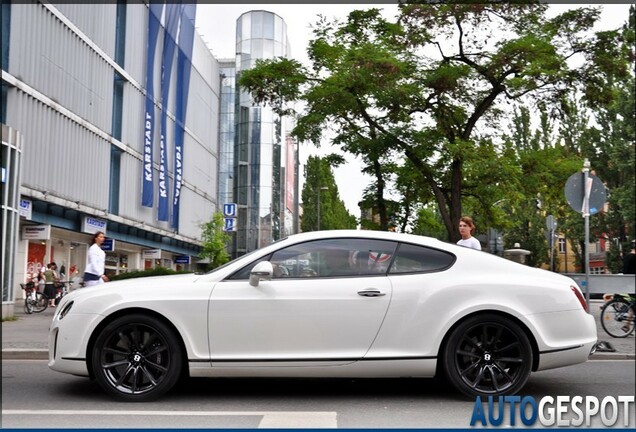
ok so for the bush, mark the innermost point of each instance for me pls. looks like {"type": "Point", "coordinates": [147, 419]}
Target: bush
{"type": "Point", "coordinates": [158, 271]}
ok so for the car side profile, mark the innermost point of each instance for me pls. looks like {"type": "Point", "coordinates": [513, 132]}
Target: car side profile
{"type": "Point", "coordinates": [343, 303]}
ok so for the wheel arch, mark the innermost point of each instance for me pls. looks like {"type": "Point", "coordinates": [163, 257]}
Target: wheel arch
{"type": "Point", "coordinates": [129, 311]}
{"type": "Point", "coordinates": [526, 330]}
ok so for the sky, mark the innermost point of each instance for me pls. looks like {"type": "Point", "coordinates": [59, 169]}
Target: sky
{"type": "Point", "coordinates": [216, 23]}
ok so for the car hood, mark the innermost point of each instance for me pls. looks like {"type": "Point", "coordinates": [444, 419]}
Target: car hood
{"type": "Point", "coordinates": [151, 285]}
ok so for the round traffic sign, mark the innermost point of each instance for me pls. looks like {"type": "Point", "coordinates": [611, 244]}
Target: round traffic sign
{"type": "Point", "coordinates": [574, 193]}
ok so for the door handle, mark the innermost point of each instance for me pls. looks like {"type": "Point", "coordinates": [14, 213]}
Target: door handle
{"type": "Point", "coordinates": [371, 293]}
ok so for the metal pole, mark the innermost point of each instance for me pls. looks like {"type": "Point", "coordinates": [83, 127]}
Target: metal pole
{"type": "Point", "coordinates": [318, 209]}
{"type": "Point", "coordinates": [586, 216]}
{"type": "Point", "coordinates": [552, 250]}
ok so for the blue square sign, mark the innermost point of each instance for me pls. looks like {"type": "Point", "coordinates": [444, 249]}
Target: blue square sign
{"type": "Point", "coordinates": [229, 210]}
{"type": "Point", "coordinates": [230, 224]}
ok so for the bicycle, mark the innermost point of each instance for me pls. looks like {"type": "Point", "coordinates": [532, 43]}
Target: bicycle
{"type": "Point", "coordinates": [61, 289]}
{"type": "Point", "coordinates": [34, 301]}
{"type": "Point", "coordinates": [617, 315]}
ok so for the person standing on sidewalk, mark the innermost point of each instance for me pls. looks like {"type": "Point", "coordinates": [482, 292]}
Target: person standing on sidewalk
{"type": "Point", "coordinates": [95, 262]}
{"type": "Point", "coordinates": [50, 278]}
{"type": "Point", "coordinates": [466, 229]}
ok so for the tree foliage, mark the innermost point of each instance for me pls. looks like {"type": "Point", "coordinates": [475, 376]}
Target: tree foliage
{"type": "Point", "coordinates": [432, 88]}
{"type": "Point", "coordinates": [320, 184]}
{"type": "Point", "coordinates": [214, 241]}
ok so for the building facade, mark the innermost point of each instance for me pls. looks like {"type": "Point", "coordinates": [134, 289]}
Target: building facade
{"type": "Point", "coordinates": [117, 106]}
{"type": "Point", "coordinates": [265, 159]}
{"type": "Point", "coordinates": [130, 126]}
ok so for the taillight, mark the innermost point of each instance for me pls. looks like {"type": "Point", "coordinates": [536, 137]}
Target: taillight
{"type": "Point", "coordinates": [579, 295]}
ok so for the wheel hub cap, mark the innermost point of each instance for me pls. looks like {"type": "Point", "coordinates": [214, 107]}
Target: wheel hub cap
{"type": "Point", "coordinates": [136, 358]}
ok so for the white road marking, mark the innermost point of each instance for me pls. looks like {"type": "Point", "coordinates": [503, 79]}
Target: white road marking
{"type": "Point", "coordinates": [271, 419]}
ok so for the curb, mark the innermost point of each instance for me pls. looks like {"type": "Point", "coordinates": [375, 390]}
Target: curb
{"type": "Point", "coordinates": [612, 356]}
{"type": "Point", "coordinates": [43, 354]}
{"type": "Point", "coordinates": [25, 354]}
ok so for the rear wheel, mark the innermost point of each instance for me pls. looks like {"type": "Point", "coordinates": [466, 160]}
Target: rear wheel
{"type": "Point", "coordinates": [617, 318]}
{"type": "Point", "coordinates": [488, 355]}
{"type": "Point", "coordinates": [137, 358]}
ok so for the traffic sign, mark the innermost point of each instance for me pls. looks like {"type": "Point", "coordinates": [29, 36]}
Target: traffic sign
{"type": "Point", "coordinates": [229, 210]}
{"type": "Point", "coordinates": [574, 193]}
{"type": "Point", "coordinates": [230, 224]}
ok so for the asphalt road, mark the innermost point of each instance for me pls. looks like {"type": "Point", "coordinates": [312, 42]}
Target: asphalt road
{"type": "Point", "coordinates": [35, 397]}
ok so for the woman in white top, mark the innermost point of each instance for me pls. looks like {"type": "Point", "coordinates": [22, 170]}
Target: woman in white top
{"type": "Point", "coordinates": [95, 262]}
{"type": "Point", "coordinates": [466, 229]}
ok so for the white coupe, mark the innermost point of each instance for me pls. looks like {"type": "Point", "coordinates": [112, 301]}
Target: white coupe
{"type": "Point", "coordinates": [328, 304]}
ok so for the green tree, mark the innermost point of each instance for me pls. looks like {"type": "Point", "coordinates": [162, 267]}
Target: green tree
{"type": "Point", "coordinates": [320, 184]}
{"type": "Point", "coordinates": [611, 149]}
{"type": "Point", "coordinates": [431, 86]}
{"type": "Point", "coordinates": [214, 241]}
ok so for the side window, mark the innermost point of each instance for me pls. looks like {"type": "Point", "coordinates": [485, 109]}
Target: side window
{"type": "Point", "coordinates": [333, 258]}
{"type": "Point", "coordinates": [244, 273]}
{"type": "Point", "coordinates": [416, 259]}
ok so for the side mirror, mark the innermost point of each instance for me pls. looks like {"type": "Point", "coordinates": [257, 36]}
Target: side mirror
{"type": "Point", "coordinates": [261, 271]}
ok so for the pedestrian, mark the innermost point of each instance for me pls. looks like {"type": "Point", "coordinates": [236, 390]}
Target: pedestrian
{"type": "Point", "coordinates": [50, 278]}
{"type": "Point", "coordinates": [466, 229]}
{"type": "Point", "coordinates": [95, 262]}
{"type": "Point", "coordinates": [629, 260]}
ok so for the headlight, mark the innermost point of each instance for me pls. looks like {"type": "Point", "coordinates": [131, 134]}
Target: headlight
{"type": "Point", "coordinates": [65, 310]}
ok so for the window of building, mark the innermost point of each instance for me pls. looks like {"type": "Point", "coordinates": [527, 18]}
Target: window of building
{"type": "Point", "coordinates": [562, 245]}
{"type": "Point", "coordinates": [597, 270]}
{"type": "Point", "coordinates": [120, 33]}
{"type": "Point", "coordinates": [6, 33]}
{"type": "Point", "coordinates": [115, 153]}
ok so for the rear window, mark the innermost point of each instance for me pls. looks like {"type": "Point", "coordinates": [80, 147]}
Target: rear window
{"type": "Point", "coordinates": [417, 259]}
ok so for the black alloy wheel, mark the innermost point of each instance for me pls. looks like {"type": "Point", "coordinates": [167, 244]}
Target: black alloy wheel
{"type": "Point", "coordinates": [488, 355]}
{"type": "Point", "coordinates": [137, 358]}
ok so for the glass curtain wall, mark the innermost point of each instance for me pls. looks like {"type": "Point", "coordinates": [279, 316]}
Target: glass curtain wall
{"type": "Point", "coordinates": [260, 150]}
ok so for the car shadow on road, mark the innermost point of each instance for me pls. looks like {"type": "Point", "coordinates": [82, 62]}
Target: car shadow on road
{"type": "Point", "coordinates": [311, 388]}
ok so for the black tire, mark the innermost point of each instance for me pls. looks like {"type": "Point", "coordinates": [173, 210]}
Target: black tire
{"type": "Point", "coordinates": [41, 302]}
{"type": "Point", "coordinates": [137, 358]}
{"type": "Point", "coordinates": [28, 306]}
{"type": "Point", "coordinates": [617, 318]}
{"type": "Point", "coordinates": [487, 355]}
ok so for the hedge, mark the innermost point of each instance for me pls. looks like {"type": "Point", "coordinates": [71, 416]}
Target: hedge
{"type": "Point", "coordinates": [157, 271]}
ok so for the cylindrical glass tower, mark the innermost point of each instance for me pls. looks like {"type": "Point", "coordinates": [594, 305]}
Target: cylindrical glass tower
{"type": "Point", "coordinates": [260, 150]}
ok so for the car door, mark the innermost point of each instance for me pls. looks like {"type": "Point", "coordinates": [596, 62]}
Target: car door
{"type": "Point", "coordinates": [326, 302]}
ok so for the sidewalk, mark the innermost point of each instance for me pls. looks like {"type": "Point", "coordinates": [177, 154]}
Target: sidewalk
{"type": "Point", "coordinates": [27, 337]}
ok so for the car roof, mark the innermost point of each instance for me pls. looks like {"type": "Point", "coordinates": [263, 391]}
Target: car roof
{"type": "Point", "coordinates": [382, 235]}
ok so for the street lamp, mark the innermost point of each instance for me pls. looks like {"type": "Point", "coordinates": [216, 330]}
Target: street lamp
{"type": "Point", "coordinates": [323, 188]}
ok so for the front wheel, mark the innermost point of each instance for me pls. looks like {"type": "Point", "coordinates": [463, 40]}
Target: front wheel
{"type": "Point", "coordinates": [617, 318]}
{"type": "Point", "coordinates": [137, 358]}
{"type": "Point", "coordinates": [488, 355]}
{"type": "Point", "coordinates": [40, 303]}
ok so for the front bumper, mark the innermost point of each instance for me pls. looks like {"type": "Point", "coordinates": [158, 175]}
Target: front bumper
{"type": "Point", "coordinates": [68, 342]}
